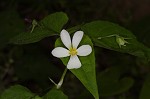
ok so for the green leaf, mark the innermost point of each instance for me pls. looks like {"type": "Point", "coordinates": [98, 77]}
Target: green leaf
{"type": "Point", "coordinates": [10, 26]}
{"type": "Point", "coordinates": [86, 74]}
{"type": "Point", "coordinates": [17, 92]}
{"type": "Point", "coordinates": [103, 35]}
{"type": "Point", "coordinates": [74, 29]}
{"type": "Point", "coordinates": [50, 25]}
{"type": "Point", "coordinates": [55, 21]}
{"type": "Point", "coordinates": [55, 94]}
{"type": "Point", "coordinates": [145, 93]}
{"type": "Point", "coordinates": [109, 82]}
{"type": "Point", "coordinates": [25, 38]}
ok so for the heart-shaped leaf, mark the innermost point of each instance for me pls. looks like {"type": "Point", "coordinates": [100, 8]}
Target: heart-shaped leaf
{"type": "Point", "coordinates": [110, 36]}
{"type": "Point", "coordinates": [50, 25]}
{"type": "Point", "coordinates": [86, 74]}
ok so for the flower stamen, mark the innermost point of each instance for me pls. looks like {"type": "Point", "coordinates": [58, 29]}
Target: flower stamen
{"type": "Point", "coordinates": [73, 51]}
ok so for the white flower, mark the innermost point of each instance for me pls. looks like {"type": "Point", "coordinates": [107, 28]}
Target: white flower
{"type": "Point", "coordinates": [72, 49]}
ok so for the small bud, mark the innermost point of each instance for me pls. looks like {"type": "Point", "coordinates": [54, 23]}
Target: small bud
{"type": "Point", "coordinates": [60, 83]}
{"type": "Point", "coordinates": [121, 41]}
{"type": "Point", "coordinates": [34, 24]}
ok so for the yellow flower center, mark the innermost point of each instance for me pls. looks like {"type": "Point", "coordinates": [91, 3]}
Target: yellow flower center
{"type": "Point", "coordinates": [73, 51]}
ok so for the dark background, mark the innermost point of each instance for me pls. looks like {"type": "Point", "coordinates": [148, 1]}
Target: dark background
{"type": "Point", "coordinates": [31, 64]}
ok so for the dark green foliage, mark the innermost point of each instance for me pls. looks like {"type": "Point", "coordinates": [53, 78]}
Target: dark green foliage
{"type": "Point", "coordinates": [145, 93]}
{"type": "Point", "coordinates": [49, 26]}
{"type": "Point", "coordinates": [120, 56]}
{"type": "Point", "coordinates": [99, 30]}
{"type": "Point", "coordinates": [17, 92]}
{"type": "Point", "coordinates": [110, 83]}
{"type": "Point", "coordinates": [10, 26]}
{"type": "Point", "coordinates": [55, 94]}
{"type": "Point", "coordinates": [86, 74]}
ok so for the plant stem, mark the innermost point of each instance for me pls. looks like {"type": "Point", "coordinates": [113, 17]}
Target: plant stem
{"type": "Point", "coordinates": [62, 79]}
{"type": "Point", "coordinates": [108, 36]}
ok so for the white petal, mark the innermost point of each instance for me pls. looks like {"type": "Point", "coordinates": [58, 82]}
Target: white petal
{"type": "Point", "coordinates": [77, 37]}
{"type": "Point", "coordinates": [84, 50]}
{"type": "Point", "coordinates": [74, 62]}
{"type": "Point", "coordinates": [65, 38]}
{"type": "Point", "coordinates": [60, 52]}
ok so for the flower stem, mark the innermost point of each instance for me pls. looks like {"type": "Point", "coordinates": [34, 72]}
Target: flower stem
{"type": "Point", "coordinates": [62, 79]}
{"type": "Point", "coordinates": [107, 36]}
